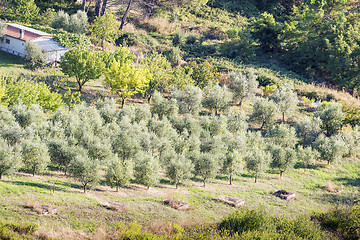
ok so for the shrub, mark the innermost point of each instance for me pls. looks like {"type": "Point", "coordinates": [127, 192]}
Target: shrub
{"type": "Point", "coordinates": [343, 221]}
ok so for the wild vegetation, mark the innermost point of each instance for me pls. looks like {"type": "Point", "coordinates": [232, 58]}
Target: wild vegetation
{"type": "Point", "coordinates": [191, 100]}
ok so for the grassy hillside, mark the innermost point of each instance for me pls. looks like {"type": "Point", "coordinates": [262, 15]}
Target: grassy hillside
{"type": "Point", "coordinates": [79, 213]}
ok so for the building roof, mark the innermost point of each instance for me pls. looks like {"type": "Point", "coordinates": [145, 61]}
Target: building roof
{"type": "Point", "coordinates": [49, 45]}
{"type": "Point", "coordinates": [13, 30]}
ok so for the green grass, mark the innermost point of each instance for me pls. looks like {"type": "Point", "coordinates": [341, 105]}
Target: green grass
{"type": "Point", "coordinates": [86, 213]}
{"type": "Point", "coordinates": [10, 64]}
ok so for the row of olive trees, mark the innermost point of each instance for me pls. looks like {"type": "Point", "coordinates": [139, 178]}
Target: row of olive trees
{"type": "Point", "coordinates": [137, 142]}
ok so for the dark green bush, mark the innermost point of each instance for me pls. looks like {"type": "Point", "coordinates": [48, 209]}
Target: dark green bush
{"type": "Point", "coordinates": [344, 221]}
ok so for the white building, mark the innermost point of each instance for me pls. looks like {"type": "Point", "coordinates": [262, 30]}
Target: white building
{"type": "Point", "coordinates": [17, 35]}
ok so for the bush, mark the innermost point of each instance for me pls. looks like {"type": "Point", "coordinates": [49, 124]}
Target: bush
{"type": "Point", "coordinates": [343, 221]}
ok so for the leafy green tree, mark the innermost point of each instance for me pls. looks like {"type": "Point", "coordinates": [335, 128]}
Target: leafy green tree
{"type": "Point", "coordinates": [332, 117]}
{"type": "Point", "coordinates": [282, 158]}
{"type": "Point", "coordinates": [264, 111]}
{"type": "Point", "coordinates": [61, 20]}
{"type": "Point", "coordinates": [217, 98]}
{"type": "Point", "coordinates": [118, 173]}
{"type": "Point", "coordinates": [189, 99]}
{"type": "Point", "coordinates": [286, 100]}
{"type": "Point", "coordinates": [179, 169]}
{"type": "Point", "coordinates": [205, 165]}
{"type": "Point", "coordinates": [257, 161]}
{"type": "Point", "coordinates": [126, 79]}
{"type": "Point", "coordinates": [84, 170]}
{"type": "Point", "coordinates": [161, 74]}
{"type": "Point", "coordinates": [267, 31]}
{"type": "Point", "coordinates": [35, 155]}
{"type": "Point", "coordinates": [34, 54]}
{"type": "Point", "coordinates": [24, 10]}
{"type": "Point", "coordinates": [8, 158]}
{"type": "Point", "coordinates": [203, 74]}
{"type": "Point", "coordinates": [308, 129]}
{"type": "Point", "coordinates": [307, 155]}
{"type": "Point", "coordinates": [146, 169]}
{"type": "Point", "coordinates": [104, 29]}
{"type": "Point", "coordinates": [283, 135]}
{"type": "Point", "coordinates": [82, 64]}
{"type": "Point", "coordinates": [243, 85]}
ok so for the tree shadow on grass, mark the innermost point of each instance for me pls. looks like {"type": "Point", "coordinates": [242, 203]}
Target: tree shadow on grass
{"type": "Point", "coordinates": [339, 199]}
{"type": "Point", "coordinates": [49, 187]}
{"type": "Point", "coordinates": [301, 165]}
{"type": "Point", "coordinates": [349, 181]}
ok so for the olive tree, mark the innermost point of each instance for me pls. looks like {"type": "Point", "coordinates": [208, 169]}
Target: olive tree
{"type": "Point", "coordinates": [118, 173]}
{"type": "Point", "coordinates": [257, 161]}
{"type": "Point", "coordinates": [306, 155]}
{"type": "Point", "coordinates": [308, 129]}
{"type": "Point", "coordinates": [283, 135]}
{"type": "Point", "coordinates": [282, 158]}
{"type": "Point", "coordinates": [264, 111]}
{"type": "Point", "coordinates": [243, 85]}
{"type": "Point", "coordinates": [8, 158]}
{"type": "Point", "coordinates": [332, 117]}
{"type": "Point", "coordinates": [232, 164]}
{"type": "Point", "coordinates": [205, 165]}
{"type": "Point", "coordinates": [189, 99]}
{"type": "Point", "coordinates": [286, 100]}
{"type": "Point", "coordinates": [179, 169]}
{"type": "Point", "coordinates": [217, 98]}
{"type": "Point", "coordinates": [331, 149]}
{"type": "Point", "coordinates": [61, 153]}
{"type": "Point", "coordinates": [34, 155]}
{"type": "Point", "coordinates": [34, 53]}
{"type": "Point", "coordinates": [84, 170]}
{"type": "Point", "coordinates": [146, 169]}
{"type": "Point", "coordinates": [163, 107]}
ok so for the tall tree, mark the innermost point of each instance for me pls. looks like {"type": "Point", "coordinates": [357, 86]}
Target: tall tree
{"type": "Point", "coordinates": [124, 17]}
